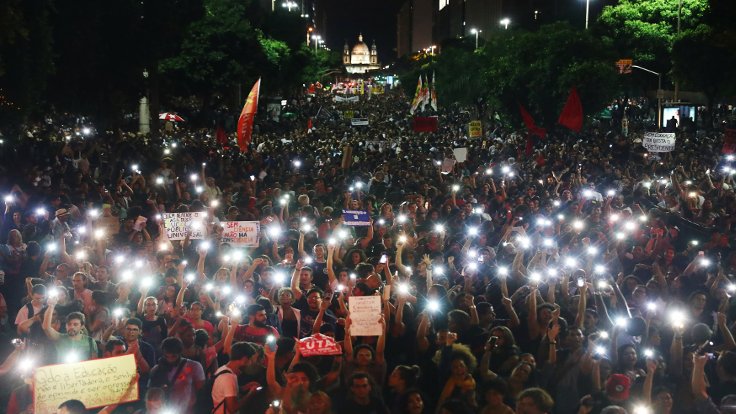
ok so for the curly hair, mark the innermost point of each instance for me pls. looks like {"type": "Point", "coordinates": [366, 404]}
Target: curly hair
{"type": "Point", "coordinates": [459, 351]}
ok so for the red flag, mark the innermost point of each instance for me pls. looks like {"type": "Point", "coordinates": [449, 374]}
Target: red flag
{"type": "Point", "coordinates": [530, 125]}
{"type": "Point", "coordinates": [245, 122]}
{"type": "Point", "coordinates": [572, 114]}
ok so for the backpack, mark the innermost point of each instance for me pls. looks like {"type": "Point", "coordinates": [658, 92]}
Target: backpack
{"type": "Point", "coordinates": [204, 403]}
{"type": "Point", "coordinates": [160, 379]}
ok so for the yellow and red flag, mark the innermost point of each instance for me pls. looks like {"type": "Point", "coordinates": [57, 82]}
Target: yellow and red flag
{"type": "Point", "coordinates": [245, 122]}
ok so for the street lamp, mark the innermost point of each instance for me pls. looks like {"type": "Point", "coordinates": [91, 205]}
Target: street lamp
{"type": "Point", "coordinates": [317, 39]}
{"type": "Point", "coordinates": [587, 13]}
{"type": "Point", "coordinates": [289, 5]}
{"type": "Point", "coordinates": [505, 22]}
{"type": "Point", "coordinates": [475, 32]}
{"type": "Point", "coordinates": [659, 92]}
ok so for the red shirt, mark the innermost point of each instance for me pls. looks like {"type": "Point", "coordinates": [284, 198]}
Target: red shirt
{"type": "Point", "coordinates": [254, 334]}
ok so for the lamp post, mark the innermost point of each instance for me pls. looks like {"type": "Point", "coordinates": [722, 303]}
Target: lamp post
{"type": "Point", "coordinates": [505, 22]}
{"type": "Point", "coordinates": [587, 13]}
{"type": "Point", "coordinates": [659, 92]}
{"type": "Point", "coordinates": [289, 5]}
{"type": "Point", "coordinates": [317, 39]}
{"type": "Point", "coordinates": [476, 32]}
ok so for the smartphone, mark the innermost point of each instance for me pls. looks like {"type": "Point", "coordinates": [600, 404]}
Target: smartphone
{"type": "Point", "coordinates": [581, 282]}
{"type": "Point", "coordinates": [383, 259]}
{"type": "Point", "coordinates": [492, 341]}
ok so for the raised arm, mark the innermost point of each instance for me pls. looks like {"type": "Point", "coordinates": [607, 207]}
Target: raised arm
{"type": "Point", "coordinates": [295, 280]}
{"type": "Point", "coordinates": [348, 342]}
{"type": "Point", "coordinates": [51, 333]}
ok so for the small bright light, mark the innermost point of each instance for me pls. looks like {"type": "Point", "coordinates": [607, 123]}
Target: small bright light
{"type": "Point", "coordinates": [342, 234]}
{"type": "Point", "coordinates": [205, 245]}
{"type": "Point", "coordinates": [279, 278]}
{"type": "Point", "coordinates": [642, 409]}
{"type": "Point", "coordinates": [209, 286]}
{"type": "Point", "coordinates": [592, 250]}
{"type": "Point", "coordinates": [503, 271]}
{"type": "Point", "coordinates": [622, 321]}
{"type": "Point", "coordinates": [159, 180]}
{"type": "Point", "coordinates": [571, 262]}
{"type": "Point", "coordinates": [240, 299]}
{"type": "Point", "coordinates": [297, 163]}
{"type": "Point", "coordinates": [219, 314]}
{"type": "Point", "coordinates": [82, 230]}
{"type": "Point", "coordinates": [306, 228]}
{"type": "Point", "coordinates": [587, 193]}
{"type": "Point", "coordinates": [401, 218]}
{"type": "Point", "coordinates": [99, 233]}
{"type": "Point", "coordinates": [198, 189]}
{"type": "Point", "coordinates": [603, 334]}
{"type": "Point", "coordinates": [94, 213]}
{"type": "Point", "coordinates": [620, 236]}
{"type": "Point", "coordinates": [270, 339]}
{"type": "Point", "coordinates": [505, 169]}
{"type": "Point", "coordinates": [81, 255]}
{"type": "Point", "coordinates": [489, 171]}
{"type": "Point", "coordinates": [473, 266]}
{"type": "Point", "coordinates": [611, 193]}
{"type": "Point", "coordinates": [190, 277]}
{"type": "Point", "coordinates": [600, 350]}
{"type": "Point", "coordinates": [403, 288]}
{"type": "Point", "coordinates": [578, 224]}
{"type": "Point", "coordinates": [439, 228]}
{"type": "Point", "coordinates": [600, 269]}
{"type": "Point", "coordinates": [647, 184]}
{"type": "Point", "coordinates": [226, 258]}
{"type": "Point", "coordinates": [381, 222]}
{"type": "Point", "coordinates": [651, 306]}
{"type": "Point", "coordinates": [438, 270]}
{"type": "Point", "coordinates": [167, 151]}
{"type": "Point", "coordinates": [535, 277]}
{"type": "Point", "coordinates": [561, 217]}
{"type": "Point", "coordinates": [118, 312]}
{"type": "Point", "coordinates": [308, 260]}
{"type": "Point", "coordinates": [126, 275]}
{"type": "Point", "coordinates": [332, 241]}
{"type": "Point", "coordinates": [214, 203]}
{"type": "Point", "coordinates": [548, 242]}
{"type": "Point", "coordinates": [359, 185]}
{"type": "Point", "coordinates": [402, 239]}
{"type": "Point", "coordinates": [473, 231]}
{"type": "Point", "coordinates": [643, 219]}
{"type": "Point", "coordinates": [614, 218]}
{"type": "Point", "coordinates": [552, 272]}
{"type": "Point", "coordinates": [433, 305]}
{"type": "Point", "coordinates": [53, 292]}
{"type": "Point", "coordinates": [455, 188]}
{"type": "Point", "coordinates": [729, 157]}
{"type": "Point", "coordinates": [274, 231]}
{"type": "Point", "coordinates": [472, 253]}
{"type": "Point", "coordinates": [677, 318]}
{"type": "Point", "coordinates": [648, 352]}
{"type": "Point", "coordinates": [86, 131]}
{"type": "Point", "coordinates": [227, 290]}
{"type": "Point", "coordinates": [25, 364]}
{"type": "Point", "coordinates": [731, 287]}
{"type": "Point", "coordinates": [147, 282]}
{"type": "Point", "coordinates": [51, 247]}
{"type": "Point", "coordinates": [341, 287]}
{"type": "Point", "coordinates": [72, 357]}
{"type": "Point", "coordinates": [353, 276]}
{"type": "Point", "coordinates": [556, 203]}
{"type": "Point", "coordinates": [237, 255]}
{"type": "Point", "coordinates": [134, 167]}
{"type": "Point", "coordinates": [705, 262]}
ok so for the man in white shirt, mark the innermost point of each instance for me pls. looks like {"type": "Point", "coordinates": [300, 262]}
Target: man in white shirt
{"type": "Point", "coordinates": [225, 387]}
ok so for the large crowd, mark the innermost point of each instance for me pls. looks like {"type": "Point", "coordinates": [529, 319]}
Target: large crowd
{"type": "Point", "coordinates": [573, 274]}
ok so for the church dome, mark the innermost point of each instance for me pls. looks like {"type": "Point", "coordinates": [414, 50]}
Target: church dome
{"type": "Point", "coordinates": [360, 48]}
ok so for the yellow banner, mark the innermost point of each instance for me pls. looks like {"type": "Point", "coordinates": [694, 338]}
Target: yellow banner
{"type": "Point", "coordinates": [475, 129]}
{"type": "Point", "coordinates": [96, 383]}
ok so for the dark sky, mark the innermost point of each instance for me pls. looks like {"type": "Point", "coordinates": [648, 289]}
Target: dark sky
{"type": "Point", "coordinates": [376, 19]}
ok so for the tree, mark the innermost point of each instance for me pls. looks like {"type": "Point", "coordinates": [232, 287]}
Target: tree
{"type": "Point", "coordinates": [703, 59]}
{"type": "Point", "coordinates": [645, 30]}
{"type": "Point", "coordinates": [538, 69]}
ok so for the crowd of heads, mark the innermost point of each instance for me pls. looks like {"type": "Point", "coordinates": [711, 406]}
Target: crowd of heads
{"type": "Point", "coordinates": [575, 273]}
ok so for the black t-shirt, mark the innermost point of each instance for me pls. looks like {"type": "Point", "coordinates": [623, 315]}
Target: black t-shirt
{"type": "Point", "coordinates": [319, 275]}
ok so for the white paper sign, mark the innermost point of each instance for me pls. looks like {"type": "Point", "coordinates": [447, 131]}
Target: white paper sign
{"type": "Point", "coordinates": [177, 225]}
{"type": "Point", "coordinates": [659, 141]}
{"type": "Point", "coordinates": [241, 233]}
{"type": "Point", "coordinates": [447, 165]}
{"type": "Point", "coordinates": [365, 312]}
{"type": "Point", "coordinates": [461, 154]}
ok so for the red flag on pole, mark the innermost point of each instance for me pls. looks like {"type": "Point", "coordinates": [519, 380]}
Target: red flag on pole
{"type": "Point", "coordinates": [572, 114]}
{"type": "Point", "coordinates": [530, 125]}
{"type": "Point", "coordinates": [245, 122]}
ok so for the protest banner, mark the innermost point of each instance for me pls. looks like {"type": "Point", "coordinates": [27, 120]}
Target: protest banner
{"type": "Point", "coordinates": [96, 383]}
{"type": "Point", "coordinates": [356, 218]}
{"type": "Point", "coordinates": [365, 311]}
{"type": "Point", "coordinates": [359, 121]}
{"type": "Point", "coordinates": [475, 129]}
{"type": "Point", "coordinates": [729, 141]}
{"type": "Point", "coordinates": [461, 154]}
{"type": "Point", "coordinates": [659, 141]}
{"type": "Point", "coordinates": [241, 233]}
{"type": "Point", "coordinates": [177, 225]}
{"type": "Point", "coordinates": [320, 345]}
{"type": "Point", "coordinates": [425, 124]}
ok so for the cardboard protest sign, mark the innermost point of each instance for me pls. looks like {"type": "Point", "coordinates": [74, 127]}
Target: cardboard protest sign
{"type": "Point", "coordinates": [356, 218]}
{"type": "Point", "coordinates": [96, 383]}
{"type": "Point", "coordinates": [365, 312]}
{"type": "Point", "coordinates": [461, 154]}
{"type": "Point", "coordinates": [475, 129]}
{"type": "Point", "coordinates": [241, 233]}
{"type": "Point", "coordinates": [659, 141]}
{"type": "Point", "coordinates": [319, 345]}
{"type": "Point", "coordinates": [177, 225]}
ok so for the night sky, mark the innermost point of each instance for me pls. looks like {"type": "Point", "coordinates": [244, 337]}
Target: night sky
{"type": "Point", "coordinates": [376, 19]}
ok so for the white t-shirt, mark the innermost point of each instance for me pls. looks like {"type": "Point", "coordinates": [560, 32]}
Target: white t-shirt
{"type": "Point", "coordinates": [22, 315]}
{"type": "Point", "coordinates": [225, 385]}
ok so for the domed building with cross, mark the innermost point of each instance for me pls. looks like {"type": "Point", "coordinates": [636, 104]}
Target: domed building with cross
{"type": "Point", "coordinates": [360, 59]}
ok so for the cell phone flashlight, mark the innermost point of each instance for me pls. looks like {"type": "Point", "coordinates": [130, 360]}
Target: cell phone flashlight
{"type": "Point", "coordinates": [384, 259]}
{"type": "Point", "coordinates": [581, 282]}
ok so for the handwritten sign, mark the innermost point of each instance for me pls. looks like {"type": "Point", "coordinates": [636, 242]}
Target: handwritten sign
{"type": "Point", "coordinates": [659, 141]}
{"type": "Point", "coordinates": [177, 225]}
{"type": "Point", "coordinates": [241, 233]}
{"type": "Point", "coordinates": [319, 345]}
{"type": "Point", "coordinates": [356, 218]}
{"type": "Point", "coordinates": [96, 383]}
{"type": "Point", "coordinates": [365, 311]}
{"type": "Point", "coordinates": [475, 129]}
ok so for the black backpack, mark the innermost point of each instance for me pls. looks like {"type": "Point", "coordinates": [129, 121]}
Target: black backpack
{"type": "Point", "coordinates": [204, 403]}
